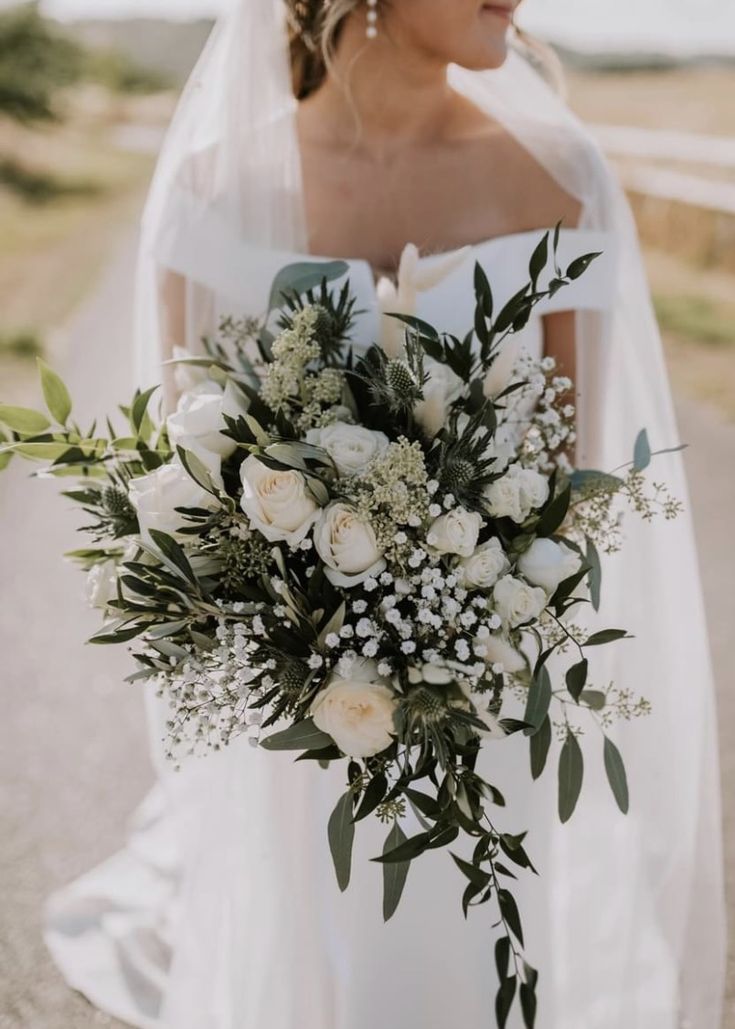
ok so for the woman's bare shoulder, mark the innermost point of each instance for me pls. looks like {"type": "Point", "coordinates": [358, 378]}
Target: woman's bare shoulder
{"type": "Point", "coordinates": [526, 191]}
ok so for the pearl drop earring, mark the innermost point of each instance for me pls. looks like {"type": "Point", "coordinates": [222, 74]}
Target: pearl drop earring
{"type": "Point", "coordinates": [372, 19]}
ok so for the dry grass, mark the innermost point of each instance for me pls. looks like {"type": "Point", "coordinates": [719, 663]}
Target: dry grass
{"type": "Point", "coordinates": [52, 251]}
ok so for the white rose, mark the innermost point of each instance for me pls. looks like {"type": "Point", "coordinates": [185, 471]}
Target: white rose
{"type": "Point", "coordinates": [199, 420]}
{"type": "Point", "coordinates": [517, 494]}
{"type": "Point", "coordinates": [455, 532]}
{"type": "Point", "coordinates": [441, 390]}
{"type": "Point", "coordinates": [516, 602]}
{"type": "Point", "coordinates": [101, 585]}
{"type": "Point", "coordinates": [357, 712]}
{"type": "Point", "coordinates": [483, 568]}
{"type": "Point", "coordinates": [351, 447]}
{"type": "Point", "coordinates": [497, 650]}
{"type": "Point", "coordinates": [277, 503]}
{"type": "Point", "coordinates": [548, 564]}
{"type": "Point", "coordinates": [156, 496]}
{"type": "Point", "coordinates": [347, 546]}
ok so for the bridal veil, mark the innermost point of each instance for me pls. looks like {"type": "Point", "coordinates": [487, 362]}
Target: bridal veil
{"type": "Point", "coordinates": [636, 901]}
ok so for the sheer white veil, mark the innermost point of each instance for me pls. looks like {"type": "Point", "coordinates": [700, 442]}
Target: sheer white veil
{"type": "Point", "coordinates": [635, 900]}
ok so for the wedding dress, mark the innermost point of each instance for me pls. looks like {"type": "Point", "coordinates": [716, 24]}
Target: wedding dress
{"type": "Point", "coordinates": [223, 911]}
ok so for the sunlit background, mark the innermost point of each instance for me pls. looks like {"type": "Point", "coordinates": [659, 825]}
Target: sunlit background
{"type": "Point", "coordinates": [86, 89]}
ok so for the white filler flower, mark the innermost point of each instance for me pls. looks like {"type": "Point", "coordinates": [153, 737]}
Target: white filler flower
{"type": "Point", "coordinates": [548, 564]}
{"type": "Point", "coordinates": [156, 496]}
{"type": "Point", "coordinates": [357, 712]}
{"type": "Point", "coordinates": [520, 491]}
{"type": "Point", "coordinates": [278, 503]}
{"type": "Point", "coordinates": [347, 545]}
{"type": "Point", "coordinates": [484, 567]}
{"type": "Point", "coordinates": [516, 602]}
{"type": "Point", "coordinates": [351, 447]}
{"type": "Point", "coordinates": [455, 532]}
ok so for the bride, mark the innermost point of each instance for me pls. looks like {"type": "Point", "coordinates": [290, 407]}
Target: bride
{"type": "Point", "coordinates": [316, 129]}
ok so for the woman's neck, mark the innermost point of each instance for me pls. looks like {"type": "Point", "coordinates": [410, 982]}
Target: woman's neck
{"type": "Point", "coordinates": [379, 95]}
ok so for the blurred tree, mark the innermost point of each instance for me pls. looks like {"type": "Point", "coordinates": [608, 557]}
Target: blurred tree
{"type": "Point", "coordinates": [35, 62]}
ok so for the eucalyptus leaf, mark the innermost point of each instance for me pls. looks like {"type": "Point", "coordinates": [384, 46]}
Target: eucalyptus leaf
{"type": "Point", "coordinates": [303, 276]}
{"type": "Point", "coordinates": [616, 776]}
{"type": "Point", "coordinates": [394, 873]}
{"type": "Point", "coordinates": [576, 678]}
{"type": "Point", "coordinates": [571, 774]}
{"type": "Point", "coordinates": [504, 1001]}
{"type": "Point", "coordinates": [302, 735]}
{"type": "Point", "coordinates": [539, 748]}
{"type": "Point", "coordinates": [641, 451]}
{"type": "Point", "coordinates": [341, 832]}
{"type": "Point", "coordinates": [539, 700]}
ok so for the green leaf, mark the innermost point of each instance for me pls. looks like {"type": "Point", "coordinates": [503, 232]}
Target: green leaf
{"type": "Point", "coordinates": [540, 743]}
{"type": "Point", "coordinates": [302, 276]}
{"type": "Point", "coordinates": [577, 678]}
{"type": "Point", "coordinates": [341, 831]}
{"type": "Point", "coordinates": [174, 554]}
{"type": "Point", "coordinates": [580, 266]}
{"type": "Point", "coordinates": [140, 407]}
{"type": "Point", "coordinates": [197, 470]}
{"type": "Point", "coordinates": [504, 1000]}
{"type": "Point", "coordinates": [594, 699]}
{"type": "Point", "coordinates": [394, 873]}
{"type": "Point", "coordinates": [528, 1004]}
{"type": "Point", "coordinates": [509, 911]}
{"type": "Point", "coordinates": [538, 260]}
{"type": "Point", "coordinates": [594, 578]}
{"type": "Point", "coordinates": [302, 735]}
{"type": "Point", "coordinates": [406, 851]}
{"type": "Point", "coordinates": [616, 776]}
{"type": "Point", "coordinates": [373, 795]}
{"type": "Point", "coordinates": [55, 393]}
{"type": "Point", "coordinates": [598, 639]}
{"type": "Point", "coordinates": [23, 420]}
{"type": "Point", "coordinates": [502, 957]}
{"type": "Point", "coordinates": [477, 876]}
{"type": "Point", "coordinates": [555, 513]}
{"type": "Point", "coordinates": [571, 774]}
{"type": "Point", "coordinates": [539, 700]}
{"type": "Point", "coordinates": [641, 451]}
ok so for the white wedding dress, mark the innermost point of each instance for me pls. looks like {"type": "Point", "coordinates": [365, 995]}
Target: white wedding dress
{"type": "Point", "coordinates": [223, 911]}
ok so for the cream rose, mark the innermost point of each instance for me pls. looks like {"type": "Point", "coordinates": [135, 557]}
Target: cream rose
{"type": "Point", "coordinates": [357, 712]}
{"type": "Point", "coordinates": [440, 391]}
{"type": "Point", "coordinates": [547, 564]}
{"type": "Point", "coordinates": [455, 532]}
{"type": "Point", "coordinates": [483, 568]}
{"type": "Point", "coordinates": [351, 447]}
{"type": "Point", "coordinates": [497, 650]}
{"type": "Point", "coordinates": [516, 602]}
{"type": "Point", "coordinates": [156, 496]}
{"type": "Point", "coordinates": [278, 503]}
{"type": "Point", "coordinates": [517, 494]}
{"type": "Point", "coordinates": [199, 420]}
{"type": "Point", "coordinates": [347, 546]}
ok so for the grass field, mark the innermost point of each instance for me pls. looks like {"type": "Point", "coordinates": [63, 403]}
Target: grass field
{"type": "Point", "coordinates": [68, 189]}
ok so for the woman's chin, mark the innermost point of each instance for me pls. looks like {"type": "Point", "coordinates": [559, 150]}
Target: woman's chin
{"type": "Point", "coordinates": [492, 55]}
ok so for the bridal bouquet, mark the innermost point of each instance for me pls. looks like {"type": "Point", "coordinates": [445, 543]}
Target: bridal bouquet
{"type": "Point", "coordinates": [363, 555]}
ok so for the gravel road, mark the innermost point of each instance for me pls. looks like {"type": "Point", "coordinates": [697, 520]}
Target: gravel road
{"type": "Point", "coordinates": [72, 746]}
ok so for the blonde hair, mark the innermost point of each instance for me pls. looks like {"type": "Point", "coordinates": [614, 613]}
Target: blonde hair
{"type": "Point", "coordinates": [312, 52]}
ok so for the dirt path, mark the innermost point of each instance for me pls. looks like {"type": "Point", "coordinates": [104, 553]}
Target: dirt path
{"type": "Point", "coordinates": [72, 747]}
